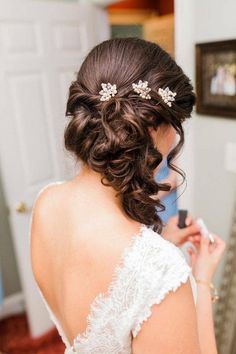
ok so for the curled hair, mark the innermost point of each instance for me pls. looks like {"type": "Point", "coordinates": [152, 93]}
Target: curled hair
{"type": "Point", "coordinates": [112, 137]}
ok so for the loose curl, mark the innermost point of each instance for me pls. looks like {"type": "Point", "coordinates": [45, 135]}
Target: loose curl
{"type": "Point", "coordinates": [112, 137]}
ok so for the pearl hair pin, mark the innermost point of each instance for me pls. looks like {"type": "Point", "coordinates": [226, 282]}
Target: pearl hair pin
{"type": "Point", "coordinates": [142, 89]}
{"type": "Point", "coordinates": [167, 95]}
{"type": "Point", "coordinates": [108, 91]}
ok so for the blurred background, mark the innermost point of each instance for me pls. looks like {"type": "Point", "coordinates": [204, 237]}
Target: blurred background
{"type": "Point", "coordinates": [42, 44]}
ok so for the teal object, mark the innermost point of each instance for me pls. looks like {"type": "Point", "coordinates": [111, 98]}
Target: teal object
{"type": "Point", "coordinates": [126, 31]}
{"type": "Point", "coordinates": [169, 200]}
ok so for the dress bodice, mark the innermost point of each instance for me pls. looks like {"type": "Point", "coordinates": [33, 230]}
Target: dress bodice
{"type": "Point", "coordinates": [150, 268]}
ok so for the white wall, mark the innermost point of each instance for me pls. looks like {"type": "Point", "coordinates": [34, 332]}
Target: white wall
{"type": "Point", "coordinates": [212, 190]}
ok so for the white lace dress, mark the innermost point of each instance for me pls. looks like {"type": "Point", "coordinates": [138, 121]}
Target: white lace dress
{"type": "Point", "coordinates": [150, 267]}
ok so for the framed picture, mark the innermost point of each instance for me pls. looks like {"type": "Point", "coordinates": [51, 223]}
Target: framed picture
{"type": "Point", "coordinates": [216, 78]}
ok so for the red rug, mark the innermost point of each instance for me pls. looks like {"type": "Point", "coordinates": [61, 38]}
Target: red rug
{"type": "Point", "coordinates": [15, 338]}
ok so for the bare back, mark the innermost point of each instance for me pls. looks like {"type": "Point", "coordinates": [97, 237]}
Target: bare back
{"type": "Point", "coordinates": [79, 234]}
{"type": "Point", "coordinates": [77, 239]}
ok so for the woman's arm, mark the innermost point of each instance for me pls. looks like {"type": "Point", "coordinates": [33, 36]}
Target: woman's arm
{"type": "Point", "coordinates": [204, 263]}
{"type": "Point", "coordinates": [205, 321]}
{"type": "Point", "coordinates": [172, 326]}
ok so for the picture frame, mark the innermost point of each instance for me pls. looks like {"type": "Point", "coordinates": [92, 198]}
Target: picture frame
{"type": "Point", "coordinates": [216, 78]}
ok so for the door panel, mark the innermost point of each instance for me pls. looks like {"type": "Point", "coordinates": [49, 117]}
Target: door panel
{"type": "Point", "coordinates": [42, 45]}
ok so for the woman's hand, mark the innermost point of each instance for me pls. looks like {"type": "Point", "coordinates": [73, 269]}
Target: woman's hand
{"type": "Point", "coordinates": [174, 234]}
{"type": "Point", "coordinates": [205, 257]}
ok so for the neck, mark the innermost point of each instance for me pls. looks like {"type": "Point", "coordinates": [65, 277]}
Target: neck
{"type": "Point", "coordinates": [91, 181]}
{"type": "Point", "coordinates": [106, 202]}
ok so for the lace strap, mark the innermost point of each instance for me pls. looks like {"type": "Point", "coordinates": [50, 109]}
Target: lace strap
{"type": "Point", "coordinates": [165, 269]}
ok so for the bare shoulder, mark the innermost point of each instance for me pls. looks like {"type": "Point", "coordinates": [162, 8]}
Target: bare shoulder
{"type": "Point", "coordinates": [48, 195]}
{"type": "Point", "coordinates": [44, 219]}
{"type": "Point", "coordinates": [172, 326]}
{"type": "Point", "coordinates": [47, 206]}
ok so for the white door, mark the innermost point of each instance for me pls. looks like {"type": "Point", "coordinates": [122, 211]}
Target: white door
{"type": "Point", "coordinates": [42, 44]}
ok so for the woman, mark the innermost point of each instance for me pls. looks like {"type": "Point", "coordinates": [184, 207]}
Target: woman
{"type": "Point", "coordinates": [111, 280]}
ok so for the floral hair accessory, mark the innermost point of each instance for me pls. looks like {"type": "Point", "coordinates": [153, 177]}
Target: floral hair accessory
{"type": "Point", "coordinates": [108, 91]}
{"type": "Point", "coordinates": [167, 95]}
{"type": "Point", "coordinates": [142, 89]}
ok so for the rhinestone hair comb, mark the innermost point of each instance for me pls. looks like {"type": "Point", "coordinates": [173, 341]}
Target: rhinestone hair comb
{"type": "Point", "coordinates": [167, 95]}
{"type": "Point", "coordinates": [142, 89]}
{"type": "Point", "coordinates": [108, 91]}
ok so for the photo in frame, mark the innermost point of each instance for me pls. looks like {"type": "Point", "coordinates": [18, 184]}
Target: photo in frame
{"type": "Point", "coordinates": [216, 78]}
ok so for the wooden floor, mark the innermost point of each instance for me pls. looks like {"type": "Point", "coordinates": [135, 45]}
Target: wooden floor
{"type": "Point", "coordinates": [15, 338]}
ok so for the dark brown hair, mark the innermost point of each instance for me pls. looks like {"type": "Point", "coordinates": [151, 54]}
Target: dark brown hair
{"type": "Point", "coordinates": [112, 136]}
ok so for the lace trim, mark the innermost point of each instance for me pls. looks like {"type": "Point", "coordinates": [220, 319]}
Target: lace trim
{"type": "Point", "coordinates": [103, 300]}
{"type": "Point", "coordinates": [178, 273]}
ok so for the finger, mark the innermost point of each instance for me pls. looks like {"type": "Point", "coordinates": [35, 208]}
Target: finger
{"type": "Point", "coordinates": [189, 231]}
{"type": "Point", "coordinates": [195, 238]}
{"type": "Point", "coordinates": [218, 240]}
{"type": "Point", "coordinates": [196, 242]}
{"type": "Point", "coordinates": [192, 256]}
{"type": "Point", "coordinates": [212, 247]}
{"type": "Point", "coordinates": [219, 245]}
{"type": "Point", "coordinates": [196, 246]}
{"type": "Point", "coordinates": [204, 244]}
{"type": "Point", "coordinates": [188, 220]}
